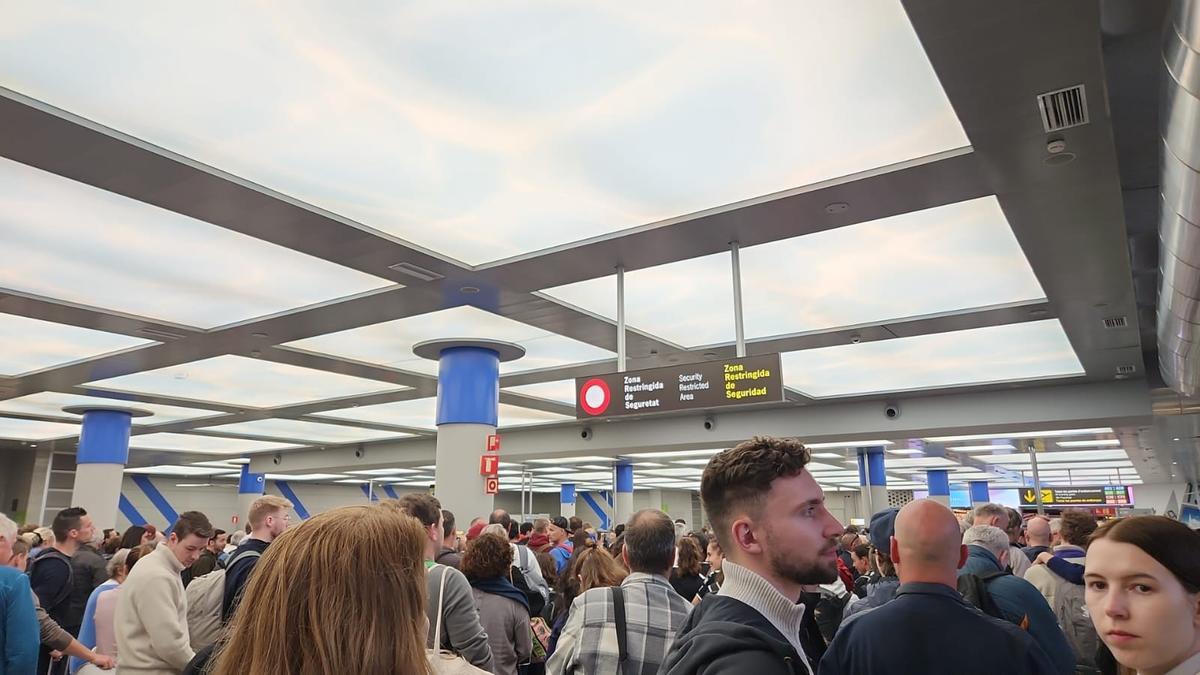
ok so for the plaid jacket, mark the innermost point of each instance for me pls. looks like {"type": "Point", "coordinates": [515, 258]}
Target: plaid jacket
{"type": "Point", "coordinates": [653, 614]}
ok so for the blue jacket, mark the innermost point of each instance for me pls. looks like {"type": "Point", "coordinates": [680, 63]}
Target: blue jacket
{"type": "Point", "coordinates": [19, 636]}
{"type": "Point", "coordinates": [561, 555]}
{"type": "Point", "coordinates": [1018, 599]}
{"type": "Point", "coordinates": [930, 629]}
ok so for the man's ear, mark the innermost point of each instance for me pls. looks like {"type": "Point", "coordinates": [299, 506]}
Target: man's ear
{"type": "Point", "coordinates": [894, 551]}
{"type": "Point", "coordinates": [745, 537]}
{"type": "Point", "coordinates": [962, 556]}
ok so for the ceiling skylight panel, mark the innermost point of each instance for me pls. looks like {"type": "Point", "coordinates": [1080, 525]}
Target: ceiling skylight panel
{"type": "Point", "coordinates": [1012, 352]}
{"type": "Point", "coordinates": [69, 241]}
{"type": "Point", "coordinates": [31, 430]}
{"type": "Point", "coordinates": [477, 131]}
{"type": "Point", "coordinates": [954, 257]}
{"type": "Point", "coordinates": [390, 343]}
{"type": "Point", "coordinates": [301, 430]}
{"type": "Point", "coordinates": [33, 344]}
{"type": "Point", "coordinates": [211, 445]}
{"type": "Point", "coordinates": [237, 380]}
{"type": "Point", "coordinates": [51, 404]}
{"type": "Point", "coordinates": [562, 391]}
{"type": "Point", "coordinates": [421, 413]}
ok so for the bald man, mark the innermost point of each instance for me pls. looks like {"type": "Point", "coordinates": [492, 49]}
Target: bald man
{"type": "Point", "coordinates": [928, 628]}
{"type": "Point", "coordinates": [1037, 537]}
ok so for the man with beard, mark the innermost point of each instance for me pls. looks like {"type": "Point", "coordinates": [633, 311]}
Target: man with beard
{"type": "Point", "coordinates": [769, 516]}
{"type": "Point", "coordinates": [928, 628]}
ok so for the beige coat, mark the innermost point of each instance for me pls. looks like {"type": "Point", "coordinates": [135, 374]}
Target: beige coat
{"type": "Point", "coordinates": [151, 620]}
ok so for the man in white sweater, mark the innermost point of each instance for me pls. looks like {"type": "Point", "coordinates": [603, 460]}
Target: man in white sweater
{"type": "Point", "coordinates": [151, 621]}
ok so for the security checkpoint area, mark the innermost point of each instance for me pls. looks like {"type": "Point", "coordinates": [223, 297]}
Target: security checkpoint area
{"type": "Point", "coordinates": [342, 256]}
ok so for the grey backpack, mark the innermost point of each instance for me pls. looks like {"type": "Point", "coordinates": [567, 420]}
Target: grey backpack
{"type": "Point", "coordinates": [1072, 614]}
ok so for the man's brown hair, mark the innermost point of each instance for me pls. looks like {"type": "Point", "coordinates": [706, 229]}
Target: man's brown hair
{"type": "Point", "coordinates": [420, 505]}
{"type": "Point", "coordinates": [192, 522]}
{"type": "Point", "coordinates": [1077, 526]}
{"type": "Point", "coordinates": [738, 479]}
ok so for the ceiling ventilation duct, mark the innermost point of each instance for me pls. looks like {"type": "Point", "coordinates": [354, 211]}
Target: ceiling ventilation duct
{"type": "Point", "coordinates": [1179, 225]}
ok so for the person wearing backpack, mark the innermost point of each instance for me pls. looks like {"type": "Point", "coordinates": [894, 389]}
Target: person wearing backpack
{"type": "Point", "coordinates": [561, 549]}
{"type": "Point", "coordinates": [985, 582]}
{"type": "Point", "coordinates": [522, 557]}
{"type": "Point", "coordinates": [52, 578]}
{"type": "Point", "coordinates": [151, 618]}
{"type": "Point", "coordinates": [268, 519]}
{"type": "Point", "coordinates": [1065, 592]}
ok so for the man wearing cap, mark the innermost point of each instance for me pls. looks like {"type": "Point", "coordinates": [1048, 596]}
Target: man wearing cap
{"type": "Point", "coordinates": [560, 542]}
{"type": "Point", "coordinates": [883, 525]}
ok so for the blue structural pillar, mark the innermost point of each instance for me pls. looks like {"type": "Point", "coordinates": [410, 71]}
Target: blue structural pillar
{"type": "Point", "coordinates": [250, 487]}
{"type": "Point", "coordinates": [623, 499]}
{"type": "Point", "coordinates": [100, 462]}
{"type": "Point", "coordinates": [566, 500]}
{"type": "Point", "coordinates": [872, 481]}
{"type": "Point", "coordinates": [468, 401]}
{"type": "Point", "coordinates": [979, 492]}
{"type": "Point", "coordinates": [939, 485]}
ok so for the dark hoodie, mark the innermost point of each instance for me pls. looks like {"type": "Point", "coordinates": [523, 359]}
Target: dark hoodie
{"type": "Point", "coordinates": [723, 635]}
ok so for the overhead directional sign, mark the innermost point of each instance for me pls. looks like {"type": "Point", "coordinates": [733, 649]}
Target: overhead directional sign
{"type": "Point", "coordinates": [697, 386]}
{"type": "Point", "coordinates": [1105, 495]}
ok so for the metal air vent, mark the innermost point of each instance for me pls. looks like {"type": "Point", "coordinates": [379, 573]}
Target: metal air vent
{"type": "Point", "coordinates": [1116, 322]}
{"type": "Point", "coordinates": [1063, 109]}
{"type": "Point", "coordinates": [416, 271]}
{"type": "Point", "coordinates": [1126, 369]}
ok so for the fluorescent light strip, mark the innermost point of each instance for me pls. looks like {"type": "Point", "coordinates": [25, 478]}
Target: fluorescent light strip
{"type": "Point", "coordinates": [982, 448]}
{"type": "Point", "coordinates": [675, 453]}
{"type": "Point", "coordinates": [848, 444]}
{"type": "Point", "coordinates": [1021, 434]}
{"type": "Point", "coordinates": [1102, 443]}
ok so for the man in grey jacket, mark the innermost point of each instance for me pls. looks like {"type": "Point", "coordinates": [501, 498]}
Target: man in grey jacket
{"type": "Point", "coordinates": [462, 632]}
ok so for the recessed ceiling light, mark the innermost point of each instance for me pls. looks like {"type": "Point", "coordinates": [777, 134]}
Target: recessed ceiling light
{"type": "Point", "coordinates": [982, 448]}
{"type": "Point", "coordinates": [1102, 443]}
{"type": "Point", "coordinates": [847, 444]}
{"type": "Point", "coordinates": [906, 451]}
{"type": "Point", "coordinates": [827, 455]}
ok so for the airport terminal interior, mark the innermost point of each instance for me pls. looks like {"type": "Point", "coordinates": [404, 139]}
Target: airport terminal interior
{"type": "Point", "coordinates": [553, 258]}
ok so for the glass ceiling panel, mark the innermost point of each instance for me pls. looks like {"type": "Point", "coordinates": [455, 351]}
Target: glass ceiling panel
{"type": "Point", "coordinates": [69, 241]}
{"type": "Point", "coordinates": [421, 413]}
{"type": "Point", "coordinates": [1021, 351]}
{"type": "Point", "coordinates": [309, 432]}
{"type": "Point", "coordinates": [1060, 456]}
{"type": "Point", "coordinates": [209, 445]}
{"type": "Point", "coordinates": [51, 404]}
{"type": "Point", "coordinates": [390, 343]}
{"type": "Point", "coordinates": [477, 130]}
{"type": "Point", "coordinates": [562, 391]}
{"type": "Point", "coordinates": [31, 430]}
{"type": "Point", "coordinates": [33, 344]}
{"type": "Point", "coordinates": [237, 380]}
{"type": "Point", "coordinates": [958, 256]}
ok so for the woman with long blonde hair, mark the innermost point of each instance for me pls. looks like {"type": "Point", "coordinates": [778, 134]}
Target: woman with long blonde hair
{"type": "Point", "coordinates": [343, 592]}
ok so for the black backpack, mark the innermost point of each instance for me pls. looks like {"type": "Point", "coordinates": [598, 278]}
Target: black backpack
{"type": "Point", "coordinates": [63, 593]}
{"type": "Point", "coordinates": [973, 588]}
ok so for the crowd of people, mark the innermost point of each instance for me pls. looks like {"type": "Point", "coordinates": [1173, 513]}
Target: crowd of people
{"type": "Point", "coordinates": [773, 585]}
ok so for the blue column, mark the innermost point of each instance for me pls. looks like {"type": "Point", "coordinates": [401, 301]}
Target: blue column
{"type": "Point", "coordinates": [101, 458]}
{"type": "Point", "coordinates": [872, 480]}
{"type": "Point", "coordinates": [566, 500]}
{"type": "Point", "coordinates": [250, 487]}
{"type": "Point", "coordinates": [467, 409]}
{"type": "Point", "coordinates": [939, 485]}
{"type": "Point", "coordinates": [623, 500]}
{"type": "Point", "coordinates": [978, 490]}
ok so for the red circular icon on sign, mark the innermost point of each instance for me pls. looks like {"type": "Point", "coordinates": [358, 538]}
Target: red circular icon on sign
{"type": "Point", "coordinates": [594, 396]}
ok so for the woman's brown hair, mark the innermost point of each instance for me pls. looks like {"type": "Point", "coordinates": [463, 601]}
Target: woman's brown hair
{"type": "Point", "coordinates": [342, 592]}
{"type": "Point", "coordinates": [487, 557]}
{"type": "Point", "coordinates": [597, 569]}
{"type": "Point", "coordinates": [689, 557]}
{"type": "Point", "coordinates": [1174, 545]}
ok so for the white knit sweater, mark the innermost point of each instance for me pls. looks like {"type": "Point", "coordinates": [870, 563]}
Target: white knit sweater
{"type": "Point", "coordinates": [151, 619]}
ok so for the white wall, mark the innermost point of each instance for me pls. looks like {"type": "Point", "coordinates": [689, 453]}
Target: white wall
{"type": "Point", "coordinates": [1158, 496]}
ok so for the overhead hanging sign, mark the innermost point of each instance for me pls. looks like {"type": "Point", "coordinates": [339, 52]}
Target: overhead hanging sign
{"type": "Point", "coordinates": [1106, 495]}
{"type": "Point", "coordinates": [696, 386]}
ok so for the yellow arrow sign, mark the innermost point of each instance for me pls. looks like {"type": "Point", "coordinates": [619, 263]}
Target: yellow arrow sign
{"type": "Point", "coordinates": [1047, 496]}
{"type": "Point", "coordinates": [1030, 497]}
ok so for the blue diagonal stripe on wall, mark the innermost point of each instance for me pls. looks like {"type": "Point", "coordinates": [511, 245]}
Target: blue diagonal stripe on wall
{"type": "Point", "coordinates": [130, 511]}
{"type": "Point", "coordinates": [608, 497]}
{"type": "Point", "coordinates": [159, 501]}
{"type": "Point", "coordinates": [591, 502]}
{"type": "Point", "coordinates": [290, 495]}
{"type": "Point", "coordinates": [367, 492]}
{"type": "Point", "coordinates": [391, 491]}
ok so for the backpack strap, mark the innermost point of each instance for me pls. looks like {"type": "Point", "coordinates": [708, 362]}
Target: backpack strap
{"type": "Point", "coordinates": [244, 555]}
{"type": "Point", "coordinates": [618, 600]}
{"type": "Point", "coordinates": [65, 591]}
{"type": "Point", "coordinates": [437, 628]}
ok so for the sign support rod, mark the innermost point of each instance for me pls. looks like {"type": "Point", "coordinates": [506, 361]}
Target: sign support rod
{"type": "Point", "coordinates": [738, 327]}
{"type": "Point", "coordinates": [620, 318]}
{"type": "Point", "coordinates": [1037, 481]}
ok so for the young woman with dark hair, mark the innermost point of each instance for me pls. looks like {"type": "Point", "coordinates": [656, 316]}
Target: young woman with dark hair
{"type": "Point", "coordinates": [1143, 593]}
{"type": "Point", "coordinates": [686, 576]}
